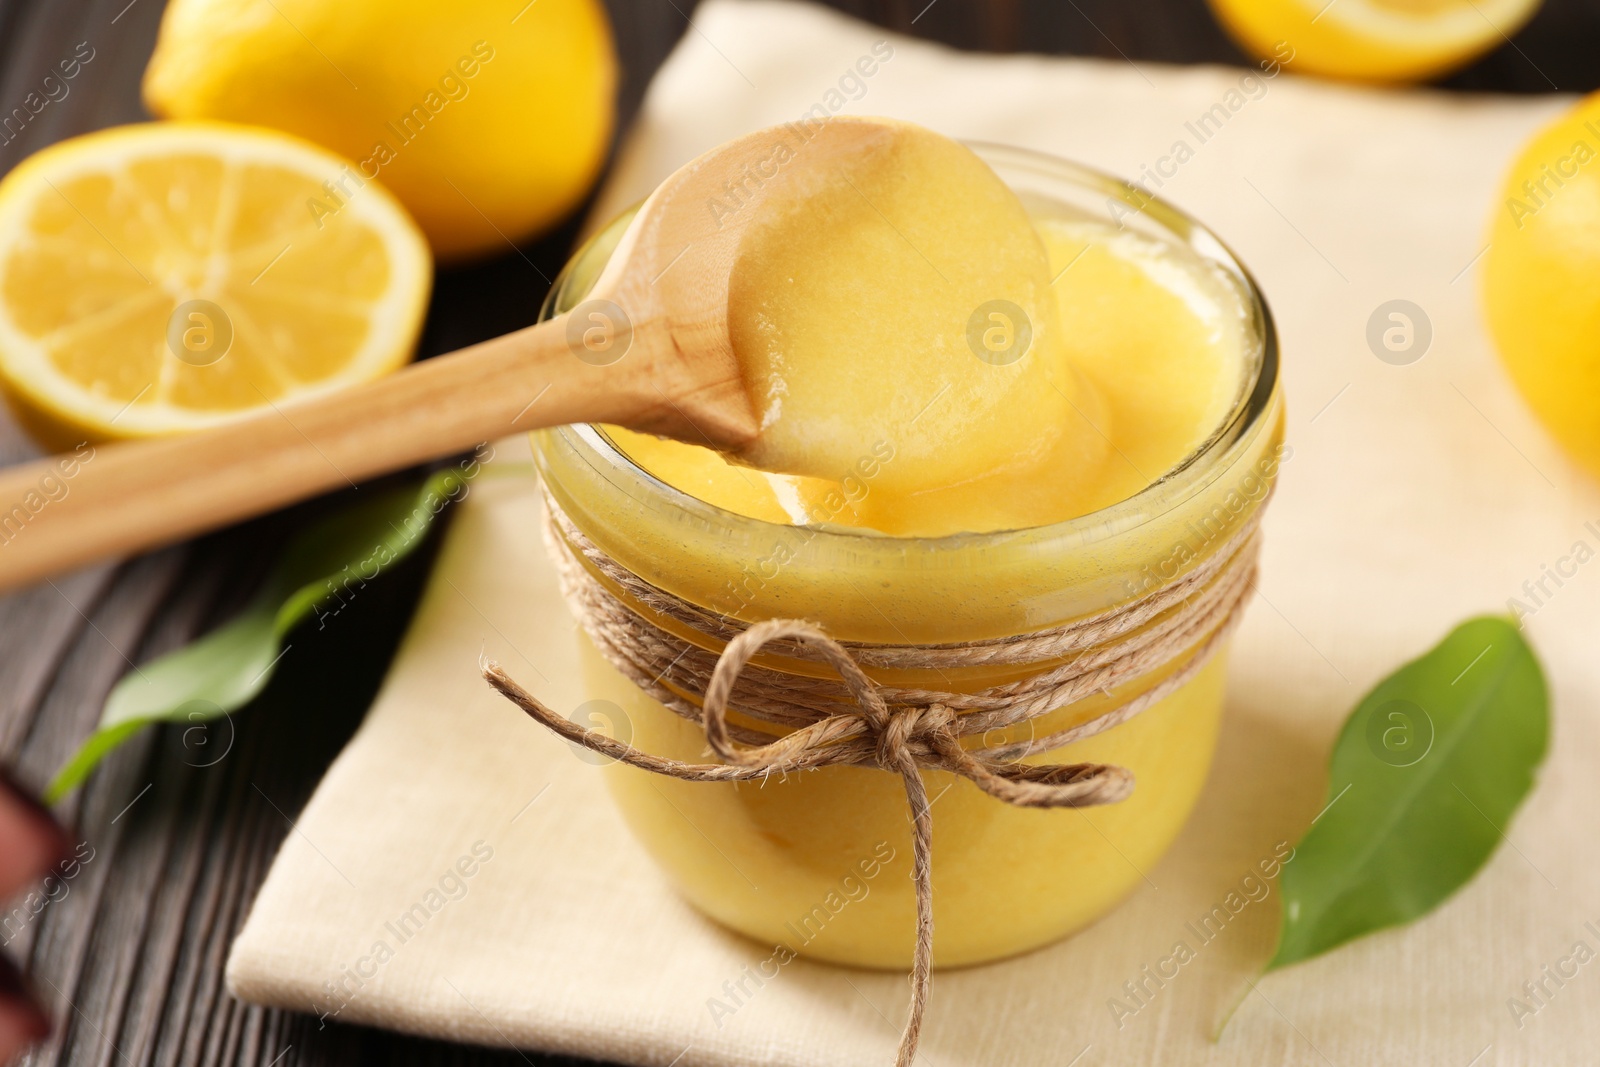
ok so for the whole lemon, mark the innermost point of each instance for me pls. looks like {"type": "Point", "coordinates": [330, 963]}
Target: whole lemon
{"type": "Point", "coordinates": [1541, 278]}
{"type": "Point", "coordinates": [488, 119]}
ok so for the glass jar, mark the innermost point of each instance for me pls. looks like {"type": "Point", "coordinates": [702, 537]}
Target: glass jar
{"type": "Point", "coordinates": [819, 863]}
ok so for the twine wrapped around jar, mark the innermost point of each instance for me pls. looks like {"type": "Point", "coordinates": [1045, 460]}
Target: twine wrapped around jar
{"type": "Point", "coordinates": [802, 722]}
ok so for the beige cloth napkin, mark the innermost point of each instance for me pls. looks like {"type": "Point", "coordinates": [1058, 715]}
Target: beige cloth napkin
{"type": "Point", "coordinates": [1416, 495]}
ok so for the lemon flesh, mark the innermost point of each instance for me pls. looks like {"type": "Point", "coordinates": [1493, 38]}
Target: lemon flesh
{"type": "Point", "coordinates": [1383, 41]}
{"type": "Point", "coordinates": [167, 276]}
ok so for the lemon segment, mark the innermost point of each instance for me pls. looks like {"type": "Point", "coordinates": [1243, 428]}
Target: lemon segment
{"type": "Point", "coordinates": [1540, 290]}
{"type": "Point", "coordinates": [108, 240]}
{"type": "Point", "coordinates": [1383, 41]}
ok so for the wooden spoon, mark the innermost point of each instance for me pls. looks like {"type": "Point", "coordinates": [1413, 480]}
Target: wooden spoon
{"type": "Point", "coordinates": [648, 349]}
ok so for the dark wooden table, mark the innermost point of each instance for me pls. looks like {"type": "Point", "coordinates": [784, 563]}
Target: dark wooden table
{"type": "Point", "coordinates": [183, 825]}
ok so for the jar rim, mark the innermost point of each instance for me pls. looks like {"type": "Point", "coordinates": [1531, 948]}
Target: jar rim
{"type": "Point", "coordinates": [1253, 402]}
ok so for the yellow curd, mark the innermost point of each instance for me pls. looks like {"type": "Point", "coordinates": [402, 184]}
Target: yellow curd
{"type": "Point", "coordinates": [930, 480]}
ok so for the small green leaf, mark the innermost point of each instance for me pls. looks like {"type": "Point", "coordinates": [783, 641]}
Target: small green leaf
{"type": "Point", "coordinates": [1424, 778]}
{"type": "Point", "coordinates": [319, 571]}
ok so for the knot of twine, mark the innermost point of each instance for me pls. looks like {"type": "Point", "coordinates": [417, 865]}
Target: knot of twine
{"type": "Point", "coordinates": [659, 642]}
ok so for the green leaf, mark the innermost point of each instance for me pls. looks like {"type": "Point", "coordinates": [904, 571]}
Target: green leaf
{"type": "Point", "coordinates": [1424, 779]}
{"type": "Point", "coordinates": [320, 570]}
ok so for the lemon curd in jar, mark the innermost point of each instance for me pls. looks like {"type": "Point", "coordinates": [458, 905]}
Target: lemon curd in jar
{"type": "Point", "coordinates": [1175, 441]}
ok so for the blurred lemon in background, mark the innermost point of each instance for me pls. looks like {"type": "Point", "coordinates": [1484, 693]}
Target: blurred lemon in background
{"type": "Point", "coordinates": [1541, 278]}
{"type": "Point", "coordinates": [166, 276]}
{"type": "Point", "coordinates": [1373, 40]}
{"type": "Point", "coordinates": [489, 119]}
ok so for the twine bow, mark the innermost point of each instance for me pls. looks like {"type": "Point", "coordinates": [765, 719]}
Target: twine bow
{"type": "Point", "coordinates": [857, 721]}
{"type": "Point", "coordinates": [903, 739]}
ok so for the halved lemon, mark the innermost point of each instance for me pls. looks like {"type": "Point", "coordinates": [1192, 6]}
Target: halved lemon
{"type": "Point", "coordinates": [1373, 40]}
{"type": "Point", "coordinates": [163, 277]}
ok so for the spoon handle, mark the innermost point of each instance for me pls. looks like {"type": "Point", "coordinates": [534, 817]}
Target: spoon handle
{"type": "Point", "coordinates": [130, 496]}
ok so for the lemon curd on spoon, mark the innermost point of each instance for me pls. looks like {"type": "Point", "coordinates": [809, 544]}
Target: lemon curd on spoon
{"type": "Point", "coordinates": [985, 411]}
{"type": "Point", "coordinates": [995, 369]}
